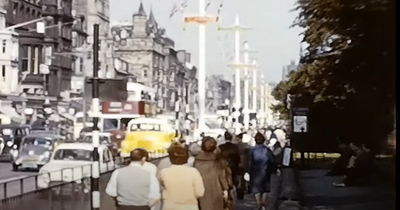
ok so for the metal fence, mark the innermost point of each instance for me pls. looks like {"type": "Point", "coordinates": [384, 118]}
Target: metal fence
{"type": "Point", "coordinates": [71, 190]}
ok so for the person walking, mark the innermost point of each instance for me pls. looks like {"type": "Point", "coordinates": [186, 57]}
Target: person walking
{"type": "Point", "coordinates": [230, 152]}
{"type": "Point", "coordinates": [180, 192]}
{"type": "Point", "coordinates": [261, 164]}
{"type": "Point", "coordinates": [138, 193]}
{"type": "Point", "coordinates": [214, 176]}
{"type": "Point", "coordinates": [166, 162]}
{"type": "Point", "coordinates": [244, 151]}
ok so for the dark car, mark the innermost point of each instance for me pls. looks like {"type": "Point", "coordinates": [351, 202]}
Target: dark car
{"type": "Point", "coordinates": [11, 136]}
{"type": "Point", "coordinates": [35, 150]}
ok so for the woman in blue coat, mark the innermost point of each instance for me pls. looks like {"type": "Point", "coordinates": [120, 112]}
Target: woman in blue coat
{"type": "Point", "coordinates": [261, 157]}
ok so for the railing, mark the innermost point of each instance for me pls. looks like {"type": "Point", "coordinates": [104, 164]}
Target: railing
{"type": "Point", "coordinates": [71, 192]}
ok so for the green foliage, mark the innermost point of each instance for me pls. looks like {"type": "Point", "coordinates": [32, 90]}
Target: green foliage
{"type": "Point", "coordinates": [348, 72]}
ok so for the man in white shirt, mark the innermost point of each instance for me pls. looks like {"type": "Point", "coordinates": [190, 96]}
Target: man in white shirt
{"type": "Point", "coordinates": [134, 187]}
{"type": "Point", "coordinates": [150, 167]}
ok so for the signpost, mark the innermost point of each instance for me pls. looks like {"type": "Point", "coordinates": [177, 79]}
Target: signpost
{"type": "Point", "coordinates": [300, 126]}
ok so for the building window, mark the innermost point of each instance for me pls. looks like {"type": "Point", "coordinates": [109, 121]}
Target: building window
{"type": "Point", "coordinates": [4, 46]}
{"type": "Point", "coordinates": [144, 73]}
{"type": "Point", "coordinates": [24, 58]}
{"type": "Point", "coordinates": [3, 72]}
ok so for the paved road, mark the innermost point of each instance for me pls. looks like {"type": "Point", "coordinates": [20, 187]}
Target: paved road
{"type": "Point", "coordinates": [8, 187]}
{"type": "Point", "coordinates": [320, 194]}
{"type": "Point", "coordinates": [7, 173]}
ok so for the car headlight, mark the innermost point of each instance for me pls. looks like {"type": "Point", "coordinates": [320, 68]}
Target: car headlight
{"type": "Point", "coordinates": [118, 136]}
{"type": "Point", "coordinates": [9, 144]}
{"type": "Point", "coordinates": [46, 154]}
{"type": "Point", "coordinates": [44, 177]}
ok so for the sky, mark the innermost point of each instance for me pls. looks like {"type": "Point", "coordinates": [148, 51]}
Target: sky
{"type": "Point", "coordinates": [272, 39]}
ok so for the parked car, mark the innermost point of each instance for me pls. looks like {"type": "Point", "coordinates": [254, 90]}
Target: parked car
{"type": "Point", "coordinates": [11, 136]}
{"type": "Point", "coordinates": [35, 150]}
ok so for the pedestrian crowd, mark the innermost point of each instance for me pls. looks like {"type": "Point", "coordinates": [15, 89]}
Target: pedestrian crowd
{"type": "Point", "coordinates": [206, 176]}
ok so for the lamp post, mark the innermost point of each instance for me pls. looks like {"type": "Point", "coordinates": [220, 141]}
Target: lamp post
{"type": "Point", "coordinates": [236, 28]}
{"type": "Point", "coordinates": [47, 111]}
{"type": "Point", "coordinates": [246, 116]}
{"type": "Point", "coordinates": [201, 19]}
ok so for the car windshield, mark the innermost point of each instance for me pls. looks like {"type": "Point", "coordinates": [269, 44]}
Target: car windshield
{"type": "Point", "coordinates": [73, 154]}
{"type": "Point", "coordinates": [145, 127]}
{"type": "Point", "coordinates": [103, 139]}
{"type": "Point", "coordinates": [37, 141]}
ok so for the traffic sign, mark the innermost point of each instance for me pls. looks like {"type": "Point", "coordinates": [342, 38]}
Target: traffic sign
{"type": "Point", "coordinates": [300, 124]}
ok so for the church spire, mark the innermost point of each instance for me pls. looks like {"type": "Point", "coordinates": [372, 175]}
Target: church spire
{"type": "Point", "coordinates": [141, 10]}
{"type": "Point", "coordinates": [152, 19]}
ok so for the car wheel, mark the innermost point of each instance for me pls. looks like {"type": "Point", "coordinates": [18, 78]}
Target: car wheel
{"type": "Point", "coordinates": [14, 167]}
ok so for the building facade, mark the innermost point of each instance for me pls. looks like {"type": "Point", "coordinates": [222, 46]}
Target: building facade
{"type": "Point", "coordinates": [94, 12]}
{"type": "Point", "coordinates": [41, 63]}
{"type": "Point", "coordinates": [150, 57]}
{"type": "Point", "coordinates": [218, 91]}
{"type": "Point", "coordinates": [286, 70]}
{"type": "Point", "coordinates": [8, 58]}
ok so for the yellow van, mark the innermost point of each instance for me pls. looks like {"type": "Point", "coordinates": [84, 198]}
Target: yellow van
{"type": "Point", "coordinates": [154, 135]}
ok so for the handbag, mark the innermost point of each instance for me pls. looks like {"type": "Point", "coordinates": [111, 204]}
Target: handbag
{"type": "Point", "coordinates": [272, 166]}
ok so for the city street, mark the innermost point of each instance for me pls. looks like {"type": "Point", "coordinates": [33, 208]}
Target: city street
{"type": "Point", "coordinates": [15, 187]}
{"type": "Point", "coordinates": [7, 173]}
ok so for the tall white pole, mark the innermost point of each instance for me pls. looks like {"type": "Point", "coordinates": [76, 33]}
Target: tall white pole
{"type": "Point", "coordinates": [238, 67]}
{"type": "Point", "coordinates": [246, 117]}
{"type": "Point", "coordinates": [254, 86]}
{"type": "Point", "coordinates": [237, 61]}
{"type": "Point", "coordinates": [266, 99]}
{"type": "Point", "coordinates": [262, 106]}
{"type": "Point", "coordinates": [202, 67]}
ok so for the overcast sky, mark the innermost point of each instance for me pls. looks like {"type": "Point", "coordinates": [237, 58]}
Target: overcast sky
{"type": "Point", "coordinates": [273, 39]}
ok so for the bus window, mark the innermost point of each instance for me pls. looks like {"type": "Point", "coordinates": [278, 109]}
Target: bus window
{"type": "Point", "coordinates": [110, 124]}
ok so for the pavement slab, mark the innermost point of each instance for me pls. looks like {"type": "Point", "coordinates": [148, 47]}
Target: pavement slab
{"type": "Point", "coordinates": [319, 194]}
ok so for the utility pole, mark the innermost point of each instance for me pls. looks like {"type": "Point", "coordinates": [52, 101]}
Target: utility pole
{"type": "Point", "coordinates": [237, 65]}
{"type": "Point", "coordinates": [246, 116]}
{"type": "Point", "coordinates": [262, 106]}
{"type": "Point", "coordinates": [95, 81]}
{"type": "Point", "coordinates": [201, 19]}
{"type": "Point", "coordinates": [254, 86]}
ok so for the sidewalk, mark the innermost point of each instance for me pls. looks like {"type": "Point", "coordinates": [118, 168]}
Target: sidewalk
{"type": "Point", "coordinates": [319, 194]}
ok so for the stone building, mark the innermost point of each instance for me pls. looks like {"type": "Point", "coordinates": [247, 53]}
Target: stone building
{"type": "Point", "coordinates": [95, 12]}
{"type": "Point", "coordinates": [218, 90]}
{"type": "Point", "coordinates": [8, 58]}
{"type": "Point", "coordinates": [150, 57]}
{"type": "Point", "coordinates": [42, 65]}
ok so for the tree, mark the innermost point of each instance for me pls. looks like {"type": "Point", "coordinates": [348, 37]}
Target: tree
{"type": "Point", "coordinates": [348, 72]}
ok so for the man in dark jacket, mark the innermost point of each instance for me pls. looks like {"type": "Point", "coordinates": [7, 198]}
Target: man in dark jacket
{"type": "Point", "coordinates": [244, 151]}
{"type": "Point", "coordinates": [230, 152]}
